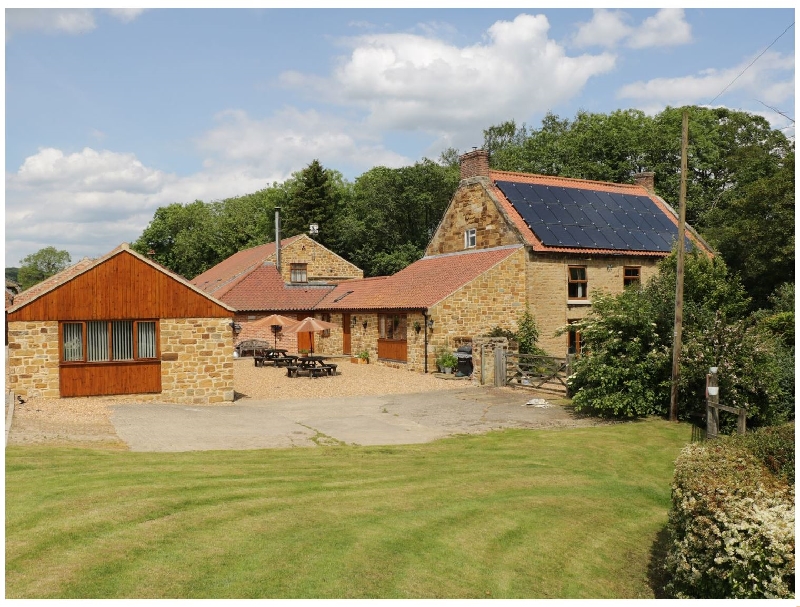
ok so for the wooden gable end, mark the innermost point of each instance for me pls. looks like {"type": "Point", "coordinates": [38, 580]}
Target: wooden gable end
{"type": "Point", "coordinates": [120, 288]}
{"type": "Point", "coordinates": [472, 208]}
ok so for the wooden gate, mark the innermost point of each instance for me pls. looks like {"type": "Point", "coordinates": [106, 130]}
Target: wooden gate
{"type": "Point", "coordinates": [532, 371]}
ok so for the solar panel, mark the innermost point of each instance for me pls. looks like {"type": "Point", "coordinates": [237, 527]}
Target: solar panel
{"type": "Point", "coordinates": [591, 219]}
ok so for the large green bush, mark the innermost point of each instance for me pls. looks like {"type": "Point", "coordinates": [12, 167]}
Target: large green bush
{"type": "Point", "coordinates": [627, 367]}
{"type": "Point", "coordinates": [732, 519]}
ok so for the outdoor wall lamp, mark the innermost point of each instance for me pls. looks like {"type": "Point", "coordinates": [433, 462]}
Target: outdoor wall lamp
{"type": "Point", "coordinates": [354, 321]}
{"type": "Point", "coordinates": [430, 323]}
{"type": "Point", "coordinates": [235, 326]}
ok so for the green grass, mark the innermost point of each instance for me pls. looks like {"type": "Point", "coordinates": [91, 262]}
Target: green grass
{"type": "Point", "coordinates": [515, 514]}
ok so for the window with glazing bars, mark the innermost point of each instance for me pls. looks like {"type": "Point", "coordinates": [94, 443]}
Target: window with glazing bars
{"type": "Point", "coordinates": [299, 272]}
{"type": "Point", "coordinates": [632, 276]}
{"type": "Point", "coordinates": [578, 284]}
{"type": "Point", "coordinates": [105, 341]}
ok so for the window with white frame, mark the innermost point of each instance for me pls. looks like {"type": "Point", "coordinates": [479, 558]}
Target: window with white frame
{"type": "Point", "coordinates": [109, 340]}
{"type": "Point", "coordinates": [578, 284]}
{"type": "Point", "coordinates": [469, 238]}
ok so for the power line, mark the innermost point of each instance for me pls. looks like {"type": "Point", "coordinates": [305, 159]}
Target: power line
{"type": "Point", "coordinates": [751, 64]}
{"type": "Point", "coordinates": [776, 110]}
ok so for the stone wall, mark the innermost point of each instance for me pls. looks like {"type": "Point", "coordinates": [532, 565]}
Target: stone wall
{"type": "Point", "coordinates": [196, 354]}
{"type": "Point", "coordinates": [547, 280]}
{"type": "Point", "coordinates": [197, 360]}
{"type": "Point", "coordinates": [495, 298]}
{"type": "Point", "coordinates": [323, 264]}
{"type": "Point", "coordinates": [32, 363]}
{"type": "Point", "coordinates": [470, 208]}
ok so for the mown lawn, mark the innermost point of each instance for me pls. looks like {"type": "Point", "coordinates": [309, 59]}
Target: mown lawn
{"type": "Point", "coordinates": [514, 514]}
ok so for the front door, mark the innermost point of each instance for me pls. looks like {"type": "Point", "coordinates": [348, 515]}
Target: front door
{"type": "Point", "coordinates": [345, 334]}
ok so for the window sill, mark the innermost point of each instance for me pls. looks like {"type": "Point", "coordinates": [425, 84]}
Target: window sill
{"type": "Point", "coordinates": [579, 302]}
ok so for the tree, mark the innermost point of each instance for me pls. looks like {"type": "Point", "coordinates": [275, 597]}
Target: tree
{"type": "Point", "coordinates": [314, 198]}
{"type": "Point", "coordinates": [40, 265]}
{"type": "Point", "coordinates": [628, 339]}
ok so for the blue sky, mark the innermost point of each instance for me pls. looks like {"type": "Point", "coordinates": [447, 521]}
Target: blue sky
{"type": "Point", "coordinates": [111, 113]}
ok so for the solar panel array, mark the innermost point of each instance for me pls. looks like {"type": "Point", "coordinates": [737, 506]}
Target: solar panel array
{"type": "Point", "coordinates": [591, 219]}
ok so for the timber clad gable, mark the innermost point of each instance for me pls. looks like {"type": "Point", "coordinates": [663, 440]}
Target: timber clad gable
{"type": "Point", "coordinates": [121, 324]}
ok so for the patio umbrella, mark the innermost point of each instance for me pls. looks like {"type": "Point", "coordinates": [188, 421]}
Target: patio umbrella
{"type": "Point", "coordinates": [310, 325]}
{"type": "Point", "coordinates": [274, 320]}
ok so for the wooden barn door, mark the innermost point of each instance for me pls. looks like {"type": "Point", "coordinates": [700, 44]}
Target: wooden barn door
{"type": "Point", "coordinates": [346, 334]}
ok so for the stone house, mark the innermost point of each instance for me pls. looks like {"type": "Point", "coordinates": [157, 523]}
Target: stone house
{"type": "Point", "coordinates": [289, 280]}
{"type": "Point", "coordinates": [120, 324]}
{"type": "Point", "coordinates": [507, 241]}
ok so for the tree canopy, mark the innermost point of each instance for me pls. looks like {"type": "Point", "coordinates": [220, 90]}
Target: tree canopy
{"type": "Point", "coordinates": [40, 265]}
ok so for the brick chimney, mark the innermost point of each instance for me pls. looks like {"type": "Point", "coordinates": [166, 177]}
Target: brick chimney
{"type": "Point", "coordinates": [647, 180]}
{"type": "Point", "coordinates": [474, 164]}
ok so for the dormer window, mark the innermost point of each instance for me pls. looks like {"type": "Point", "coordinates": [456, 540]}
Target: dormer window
{"type": "Point", "coordinates": [299, 272]}
{"type": "Point", "coordinates": [469, 238]}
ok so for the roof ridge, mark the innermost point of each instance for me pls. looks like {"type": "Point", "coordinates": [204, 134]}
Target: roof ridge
{"type": "Point", "coordinates": [568, 179]}
{"type": "Point", "coordinates": [470, 252]}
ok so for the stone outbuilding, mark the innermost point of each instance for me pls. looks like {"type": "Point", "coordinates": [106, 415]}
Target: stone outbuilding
{"type": "Point", "coordinates": [289, 280]}
{"type": "Point", "coordinates": [120, 324]}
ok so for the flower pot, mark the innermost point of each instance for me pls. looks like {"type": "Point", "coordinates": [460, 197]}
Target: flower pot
{"type": "Point", "coordinates": [359, 361]}
{"type": "Point", "coordinates": [448, 370]}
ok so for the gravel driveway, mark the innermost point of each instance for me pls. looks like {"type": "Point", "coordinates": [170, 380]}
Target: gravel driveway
{"type": "Point", "coordinates": [364, 405]}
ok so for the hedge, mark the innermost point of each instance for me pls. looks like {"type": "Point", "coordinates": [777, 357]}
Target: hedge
{"type": "Point", "coordinates": [732, 519]}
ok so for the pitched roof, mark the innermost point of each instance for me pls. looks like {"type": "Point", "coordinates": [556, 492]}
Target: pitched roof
{"type": "Point", "coordinates": [86, 264]}
{"type": "Point", "coordinates": [224, 276]}
{"type": "Point", "coordinates": [420, 285]}
{"type": "Point", "coordinates": [562, 214]}
{"type": "Point", "coordinates": [263, 288]}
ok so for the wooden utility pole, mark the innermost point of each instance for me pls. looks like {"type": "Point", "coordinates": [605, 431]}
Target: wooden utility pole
{"type": "Point", "coordinates": [676, 342]}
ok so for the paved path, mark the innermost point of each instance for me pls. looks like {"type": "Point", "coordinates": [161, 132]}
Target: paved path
{"type": "Point", "coordinates": [364, 420]}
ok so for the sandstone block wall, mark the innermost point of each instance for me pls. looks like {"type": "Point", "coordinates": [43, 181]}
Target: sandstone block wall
{"type": "Point", "coordinates": [547, 282]}
{"type": "Point", "coordinates": [32, 363]}
{"type": "Point", "coordinates": [495, 298]}
{"type": "Point", "coordinates": [470, 208]}
{"type": "Point", "coordinates": [197, 360]}
{"type": "Point", "coordinates": [323, 264]}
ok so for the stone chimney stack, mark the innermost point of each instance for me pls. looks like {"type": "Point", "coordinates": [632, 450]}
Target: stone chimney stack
{"type": "Point", "coordinates": [474, 164]}
{"type": "Point", "coordinates": [646, 180]}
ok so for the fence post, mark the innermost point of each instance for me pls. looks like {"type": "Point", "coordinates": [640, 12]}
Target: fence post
{"type": "Point", "coordinates": [712, 400]}
{"type": "Point", "coordinates": [742, 421]}
{"type": "Point", "coordinates": [500, 367]}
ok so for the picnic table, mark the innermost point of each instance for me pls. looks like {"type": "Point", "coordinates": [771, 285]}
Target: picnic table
{"type": "Point", "coordinates": [315, 366]}
{"type": "Point", "coordinates": [270, 355]}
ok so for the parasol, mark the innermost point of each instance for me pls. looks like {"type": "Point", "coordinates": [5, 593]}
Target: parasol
{"type": "Point", "coordinates": [310, 325]}
{"type": "Point", "coordinates": [273, 321]}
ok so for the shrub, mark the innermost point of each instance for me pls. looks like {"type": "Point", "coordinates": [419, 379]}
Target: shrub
{"type": "Point", "coordinates": [732, 520]}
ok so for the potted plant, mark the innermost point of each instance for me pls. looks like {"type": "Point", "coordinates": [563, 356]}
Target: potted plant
{"type": "Point", "coordinates": [417, 326]}
{"type": "Point", "coordinates": [447, 361]}
{"type": "Point", "coordinates": [362, 358]}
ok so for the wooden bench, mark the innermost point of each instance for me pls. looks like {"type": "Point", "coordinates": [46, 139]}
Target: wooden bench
{"type": "Point", "coordinates": [330, 368]}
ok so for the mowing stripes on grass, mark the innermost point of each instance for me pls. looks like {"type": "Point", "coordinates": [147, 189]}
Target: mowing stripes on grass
{"type": "Point", "coordinates": [516, 514]}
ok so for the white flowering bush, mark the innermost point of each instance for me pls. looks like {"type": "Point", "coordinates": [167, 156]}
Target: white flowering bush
{"type": "Point", "coordinates": [732, 522]}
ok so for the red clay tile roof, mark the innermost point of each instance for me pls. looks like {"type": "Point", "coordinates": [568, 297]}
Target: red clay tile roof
{"type": "Point", "coordinates": [225, 275]}
{"type": "Point", "coordinates": [418, 286]}
{"type": "Point", "coordinates": [584, 184]}
{"type": "Point", "coordinates": [263, 289]}
{"type": "Point", "coordinates": [85, 265]}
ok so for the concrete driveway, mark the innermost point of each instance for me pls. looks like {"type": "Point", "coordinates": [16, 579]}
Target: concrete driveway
{"type": "Point", "coordinates": [363, 420]}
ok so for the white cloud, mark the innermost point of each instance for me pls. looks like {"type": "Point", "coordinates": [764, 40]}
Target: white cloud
{"type": "Point", "coordinates": [607, 28]}
{"type": "Point", "coordinates": [413, 82]}
{"type": "Point", "coordinates": [290, 139]}
{"type": "Point", "coordinates": [66, 20]}
{"type": "Point", "coordinates": [771, 78]}
{"type": "Point", "coordinates": [88, 202]}
{"type": "Point", "coordinates": [72, 21]}
{"type": "Point", "coordinates": [668, 27]}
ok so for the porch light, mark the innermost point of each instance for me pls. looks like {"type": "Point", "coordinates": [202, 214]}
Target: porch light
{"type": "Point", "coordinates": [430, 323]}
{"type": "Point", "coordinates": [353, 321]}
{"type": "Point", "coordinates": [235, 326]}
